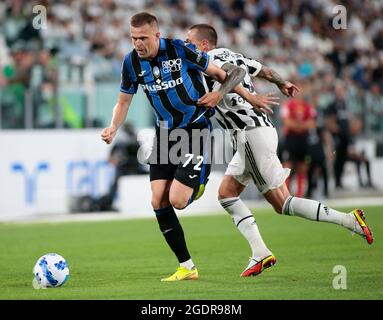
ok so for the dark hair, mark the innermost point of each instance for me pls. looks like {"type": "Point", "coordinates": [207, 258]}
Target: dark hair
{"type": "Point", "coordinates": [142, 18]}
{"type": "Point", "coordinates": [206, 31]}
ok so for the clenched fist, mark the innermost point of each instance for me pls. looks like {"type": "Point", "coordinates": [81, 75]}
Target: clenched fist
{"type": "Point", "coordinates": [108, 134]}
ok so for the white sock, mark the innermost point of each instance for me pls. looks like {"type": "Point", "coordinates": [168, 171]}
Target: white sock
{"type": "Point", "coordinates": [245, 222]}
{"type": "Point", "coordinates": [187, 264]}
{"type": "Point", "coordinates": [314, 210]}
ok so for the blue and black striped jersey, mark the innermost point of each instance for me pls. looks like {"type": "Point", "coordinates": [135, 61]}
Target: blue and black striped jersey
{"type": "Point", "coordinates": [172, 81]}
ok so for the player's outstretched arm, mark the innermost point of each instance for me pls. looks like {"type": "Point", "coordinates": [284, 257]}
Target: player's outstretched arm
{"type": "Point", "coordinates": [261, 102]}
{"type": "Point", "coordinates": [230, 79]}
{"type": "Point", "coordinates": [120, 111]}
{"type": "Point", "coordinates": [287, 88]}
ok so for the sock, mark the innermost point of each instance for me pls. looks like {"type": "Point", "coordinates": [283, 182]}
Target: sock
{"type": "Point", "coordinates": [173, 233]}
{"type": "Point", "coordinates": [245, 222]}
{"type": "Point", "coordinates": [187, 264]}
{"type": "Point", "coordinates": [314, 210]}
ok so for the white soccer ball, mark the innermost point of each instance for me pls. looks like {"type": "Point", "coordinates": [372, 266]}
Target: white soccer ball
{"type": "Point", "coordinates": [50, 270]}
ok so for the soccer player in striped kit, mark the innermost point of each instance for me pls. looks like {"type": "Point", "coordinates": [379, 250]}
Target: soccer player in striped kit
{"type": "Point", "coordinates": [171, 76]}
{"type": "Point", "coordinates": [256, 141]}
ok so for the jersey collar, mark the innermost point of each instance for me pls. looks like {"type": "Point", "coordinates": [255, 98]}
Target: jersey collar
{"type": "Point", "coordinates": [162, 48]}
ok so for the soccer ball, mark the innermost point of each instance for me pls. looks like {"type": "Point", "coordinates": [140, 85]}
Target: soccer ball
{"type": "Point", "coordinates": [50, 270]}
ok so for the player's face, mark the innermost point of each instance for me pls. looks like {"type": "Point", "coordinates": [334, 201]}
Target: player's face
{"type": "Point", "coordinates": [145, 40]}
{"type": "Point", "coordinates": [193, 38]}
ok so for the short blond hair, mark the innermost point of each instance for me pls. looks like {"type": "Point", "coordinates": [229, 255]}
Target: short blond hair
{"type": "Point", "coordinates": [142, 18]}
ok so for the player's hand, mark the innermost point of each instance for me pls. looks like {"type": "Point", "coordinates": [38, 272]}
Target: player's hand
{"type": "Point", "coordinates": [289, 89]}
{"type": "Point", "coordinates": [108, 134]}
{"type": "Point", "coordinates": [265, 102]}
{"type": "Point", "coordinates": [210, 99]}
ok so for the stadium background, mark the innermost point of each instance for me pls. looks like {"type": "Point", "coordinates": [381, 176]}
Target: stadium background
{"type": "Point", "coordinates": [58, 86]}
{"type": "Point", "coordinates": [60, 79]}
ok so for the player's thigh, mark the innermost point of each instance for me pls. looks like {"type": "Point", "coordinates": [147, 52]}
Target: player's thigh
{"type": "Point", "coordinates": [180, 194]}
{"type": "Point", "coordinates": [189, 183]}
{"type": "Point", "coordinates": [194, 167]}
{"type": "Point", "coordinates": [160, 193]}
{"type": "Point", "coordinates": [161, 177]}
{"type": "Point", "coordinates": [262, 160]}
{"type": "Point", "coordinates": [236, 177]}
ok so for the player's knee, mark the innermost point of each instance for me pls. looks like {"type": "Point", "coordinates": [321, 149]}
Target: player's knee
{"type": "Point", "coordinates": [179, 203]}
{"type": "Point", "coordinates": [158, 203]}
{"type": "Point", "coordinates": [224, 192]}
{"type": "Point", "coordinates": [155, 204]}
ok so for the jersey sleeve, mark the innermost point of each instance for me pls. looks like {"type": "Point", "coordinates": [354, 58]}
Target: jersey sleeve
{"type": "Point", "coordinates": [253, 66]}
{"type": "Point", "coordinates": [127, 84]}
{"type": "Point", "coordinates": [218, 61]}
{"type": "Point", "coordinates": [195, 58]}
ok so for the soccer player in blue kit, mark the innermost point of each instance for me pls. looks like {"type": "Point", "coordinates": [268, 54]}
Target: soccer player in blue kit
{"type": "Point", "coordinates": [171, 76]}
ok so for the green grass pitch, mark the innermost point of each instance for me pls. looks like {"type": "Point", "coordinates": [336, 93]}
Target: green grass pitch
{"type": "Point", "coordinates": [126, 259]}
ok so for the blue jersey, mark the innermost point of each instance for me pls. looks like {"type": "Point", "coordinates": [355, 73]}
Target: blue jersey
{"type": "Point", "coordinates": [172, 81]}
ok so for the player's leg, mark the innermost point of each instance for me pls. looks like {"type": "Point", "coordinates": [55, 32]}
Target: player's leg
{"type": "Point", "coordinates": [232, 185]}
{"type": "Point", "coordinates": [178, 197]}
{"type": "Point", "coordinates": [192, 173]}
{"type": "Point", "coordinates": [160, 193]}
{"type": "Point", "coordinates": [180, 194]}
{"type": "Point", "coordinates": [190, 178]}
{"type": "Point", "coordinates": [270, 178]}
{"type": "Point", "coordinates": [161, 181]}
{"type": "Point", "coordinates": [189, 184]}
{"type": "Point", "coordinates": [262, 258]}
{"type": "Point", "coordinates": [314, 210]}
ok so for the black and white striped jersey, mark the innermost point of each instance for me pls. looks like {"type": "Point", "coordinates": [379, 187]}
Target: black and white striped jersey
{"type": "Point", "coordinates": [234, 112]}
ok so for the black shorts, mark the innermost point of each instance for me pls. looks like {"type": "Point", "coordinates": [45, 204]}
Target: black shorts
{"type": "Point", "coordinates": [183, 154]}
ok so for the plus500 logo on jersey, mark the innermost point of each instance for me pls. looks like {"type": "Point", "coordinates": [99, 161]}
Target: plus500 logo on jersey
{"type": "Point", "coordinates": [171, 65]}
{"type": "Point", "coordinates": [163, 85]}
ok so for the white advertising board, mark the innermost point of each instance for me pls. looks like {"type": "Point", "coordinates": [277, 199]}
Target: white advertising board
{"type": "Point", "coordinates": [41, 169]}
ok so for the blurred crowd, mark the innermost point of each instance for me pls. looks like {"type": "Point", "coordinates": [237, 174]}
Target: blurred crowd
{"type": "Point", "coordinates": [339, 71]}
{"type": "Point", "coordinates": [297, 38]}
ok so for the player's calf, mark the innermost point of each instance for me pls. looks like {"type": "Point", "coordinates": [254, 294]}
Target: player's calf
{"type": "Point", "coordinates": [277, 197]}
{"type": "Point", "coordinates": [229, 188]}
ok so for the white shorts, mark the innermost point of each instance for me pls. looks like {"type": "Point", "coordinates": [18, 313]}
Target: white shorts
{"type": "Point", "coordinates": [256, 159]}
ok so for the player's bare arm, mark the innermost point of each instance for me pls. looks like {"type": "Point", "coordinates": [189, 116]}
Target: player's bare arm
{"type": "Point", "coordinates": [229, 79]}
{"type": "Point", "coordinates": [286, 87]}
{"type": "Point", "coordinates": [260, 102]}
{"type": "Point", "coordinates": [120, 111]}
